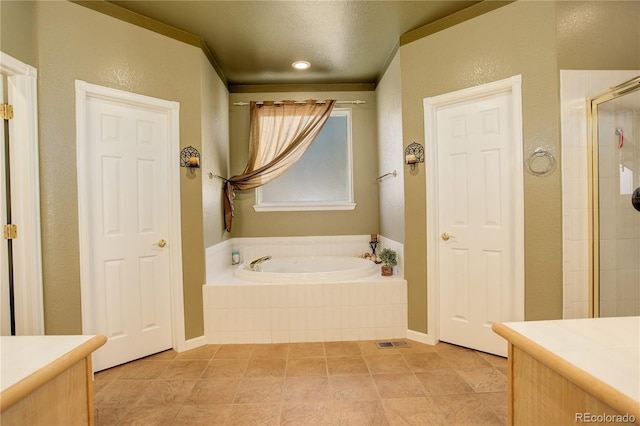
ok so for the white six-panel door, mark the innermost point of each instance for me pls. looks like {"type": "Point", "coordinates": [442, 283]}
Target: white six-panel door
{"type": "Point", "coordinates": [477, 208]}
{"type": "Point", "coordinates": [127, 240]}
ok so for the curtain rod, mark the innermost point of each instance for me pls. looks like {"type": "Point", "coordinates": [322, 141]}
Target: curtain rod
{"type": "Point", "coordinates": [357, 102]}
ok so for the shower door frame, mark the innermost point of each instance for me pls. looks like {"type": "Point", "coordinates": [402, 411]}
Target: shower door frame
{"type": "Point", "coordinates": [593, 178]}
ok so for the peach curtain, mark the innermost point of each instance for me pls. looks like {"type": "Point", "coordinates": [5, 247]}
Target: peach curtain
{"type": "Point", "coordinates": [279, 135]}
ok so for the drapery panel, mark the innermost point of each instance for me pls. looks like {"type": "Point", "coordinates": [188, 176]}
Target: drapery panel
{"type": "Point", "coordinates": [279, 135]}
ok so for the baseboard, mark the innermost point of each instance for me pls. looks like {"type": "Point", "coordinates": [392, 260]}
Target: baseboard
{"type": "Point", "coordinates": [420, 337]}
{"type": "Point", "coordinates": [194, 343]}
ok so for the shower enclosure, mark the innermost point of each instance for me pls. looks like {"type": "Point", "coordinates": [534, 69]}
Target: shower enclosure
{"type": "Point", "coordinates": [614, 203]}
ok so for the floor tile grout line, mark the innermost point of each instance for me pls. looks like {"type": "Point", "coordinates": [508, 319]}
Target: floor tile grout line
{"type": "Point", "coordinates": [371, 374]}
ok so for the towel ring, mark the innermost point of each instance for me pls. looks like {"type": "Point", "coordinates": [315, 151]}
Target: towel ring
{"type": "Point", "coordinates": [540, 153]}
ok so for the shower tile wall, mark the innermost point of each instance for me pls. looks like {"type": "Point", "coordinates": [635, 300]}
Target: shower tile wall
{"type": "Point", "coordinates": [619, 230]}
{"type": "Point", "coordinates": [576, 86]}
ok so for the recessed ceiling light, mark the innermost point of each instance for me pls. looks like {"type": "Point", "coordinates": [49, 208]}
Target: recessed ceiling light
{"type": "Point", "coordinates": [301, 65]}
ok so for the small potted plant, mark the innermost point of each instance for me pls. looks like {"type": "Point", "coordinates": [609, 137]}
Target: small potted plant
{"type": "Point", "coordinates": [389, 260]}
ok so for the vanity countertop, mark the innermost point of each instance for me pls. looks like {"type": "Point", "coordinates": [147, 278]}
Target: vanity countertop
{"type": "Point", "coordinates": [22, 356]}
{"type": "Point", "coordinates": [606, 349]}
{"type": "Point", "coordinates": [47, 379]}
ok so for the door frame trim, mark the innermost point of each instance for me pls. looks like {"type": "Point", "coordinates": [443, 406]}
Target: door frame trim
{"type": "Point", "coordinates": [511, 85]}
{"type": "Point", "coordinates": [25, 197]}
{"type": "Point", "coordinates": [85, 91]}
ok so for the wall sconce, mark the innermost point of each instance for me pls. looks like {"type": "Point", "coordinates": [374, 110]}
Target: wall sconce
{"type": "Point", "coordinates": [190, 157]}
{"type": "Point", "coordinates": [413, 154]}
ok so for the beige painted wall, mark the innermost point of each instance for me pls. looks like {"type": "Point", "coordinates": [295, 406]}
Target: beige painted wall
{"type": "Point", "coordinates": [391, 152]}
{"type": "Point", "coordinates": [77, 43]}
{"type": "Point", "coordinates": [598, 35]}
{"type": "Point", "coordinates": [362, 220]}
{"type": "Point", "coordinates": [531, 39]}
{"type": "Point", "coordinates": [17, 35]}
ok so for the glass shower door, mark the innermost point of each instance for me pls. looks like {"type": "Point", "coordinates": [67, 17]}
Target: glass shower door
{"type": "Point", "coordinates": [615, 217]}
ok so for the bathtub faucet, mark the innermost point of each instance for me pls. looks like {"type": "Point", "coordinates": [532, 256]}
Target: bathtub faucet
{"type": "Point", "coordinates": [255, 265]}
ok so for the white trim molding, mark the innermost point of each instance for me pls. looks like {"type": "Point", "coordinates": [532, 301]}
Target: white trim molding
{"type": "Point", "coordinates": [417, 336]}
{"type": "Point", "coordinates": [196, 342]}
{"type": "Point", "coordinates": [512, 85]}
{"type": "Point", "coordinates": [25, 195]}
{"type": "Point", "coordinates": [85, 91]}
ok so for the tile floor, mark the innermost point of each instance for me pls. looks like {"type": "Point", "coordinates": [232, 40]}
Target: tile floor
{"type": "Point", "coordinates": [333, 383]}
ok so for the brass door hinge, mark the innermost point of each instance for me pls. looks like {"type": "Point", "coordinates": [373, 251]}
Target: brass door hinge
{"type": "Point", "coordinates": [6, 111]}
{"type": "Point", "coordinates": [10, 232]}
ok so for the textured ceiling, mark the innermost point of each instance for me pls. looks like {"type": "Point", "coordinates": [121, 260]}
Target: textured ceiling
{"type": "Point", "coordinates": [255, 42]}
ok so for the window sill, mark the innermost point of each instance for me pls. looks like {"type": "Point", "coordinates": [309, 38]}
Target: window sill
{"type": "Point", "coordinates": [303, 207]}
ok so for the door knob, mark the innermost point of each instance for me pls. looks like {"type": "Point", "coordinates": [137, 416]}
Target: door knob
{"type": "Point", "coordinates": [446, 236]}
{"type": "Point", "coordinates": [161, 243]}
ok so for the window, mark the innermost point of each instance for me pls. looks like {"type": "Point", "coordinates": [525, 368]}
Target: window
{"type": "Point", "coordinates": [321, 179]}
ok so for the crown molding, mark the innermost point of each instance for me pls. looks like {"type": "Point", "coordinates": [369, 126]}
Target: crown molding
{"type": "Point", "coordinates": [470, 12]}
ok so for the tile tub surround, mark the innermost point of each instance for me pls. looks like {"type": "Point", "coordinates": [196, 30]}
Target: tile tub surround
{"type": "Point", "coordinates": [218, 257]}
{"type": "Point", "coordinates": [244, 312]}
{"type": "Point", "coordinates": [237, 311]}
